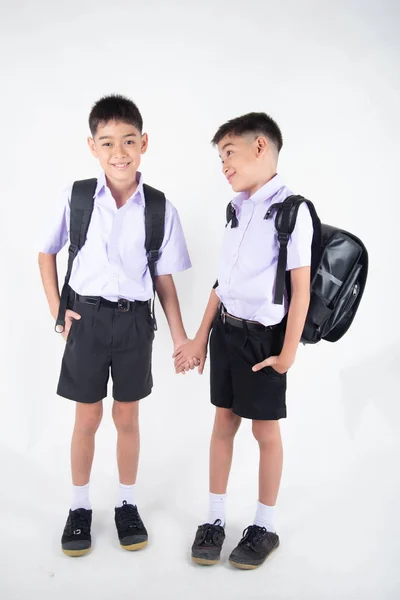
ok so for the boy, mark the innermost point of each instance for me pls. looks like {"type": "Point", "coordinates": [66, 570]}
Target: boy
{"type": "Point", "coordinates": [110, 323]}
{"type": "Point", "coordinates": [253, 341]}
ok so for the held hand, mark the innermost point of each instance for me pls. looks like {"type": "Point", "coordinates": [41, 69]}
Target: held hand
{"type": "Point", "coordinates": [70, 315]}
{"type": "Point", "coordinates": [192, 352]}
{"type": "Point", "coordinates": [191, 362]}
{"type": "Point", "coordinates": [278, 363]}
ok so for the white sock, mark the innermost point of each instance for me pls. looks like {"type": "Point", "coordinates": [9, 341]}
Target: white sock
{"type": "Point", "coordinates": [127, 493]}
{"type": "Point", "coordinates": [265, 517]}
{"type": "Point", "coordinates": [80, 497]}
{"type": "Point", "coordinates": [217, 508]}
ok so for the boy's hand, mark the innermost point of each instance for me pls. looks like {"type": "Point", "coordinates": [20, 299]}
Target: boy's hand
{"type": "Point", "coordinates": [191, 363]}
{"type": "Point", "coordinates": [278, 363]}
{"type": "Point", "coordinates": [192, 352]}
{"type": "Point", "coordinates": [70, 315]}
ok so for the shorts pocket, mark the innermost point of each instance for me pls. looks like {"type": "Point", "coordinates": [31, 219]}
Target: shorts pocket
{"type": "Point", "coordinates": [266, 350]}
{"type": "Point", "coordinates": [73, 330]}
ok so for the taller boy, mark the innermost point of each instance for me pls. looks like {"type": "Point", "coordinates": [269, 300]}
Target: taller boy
{"type": "Point", "coordinates": [110, 325]}
{"type": "Point", "coordinates": [252, 343]}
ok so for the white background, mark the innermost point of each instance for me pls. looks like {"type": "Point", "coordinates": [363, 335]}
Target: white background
{"type": "Point", "coordinates": [329, 74]}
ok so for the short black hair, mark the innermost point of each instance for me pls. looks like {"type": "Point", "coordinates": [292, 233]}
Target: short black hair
{"type": "Point", "coordinates": [258, 123]}
{"type": "Point", "coordinates": [114, 108]}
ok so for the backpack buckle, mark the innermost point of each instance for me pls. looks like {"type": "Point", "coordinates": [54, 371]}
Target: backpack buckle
{"type": "Point", "coordinates": [153, 255]}
{"type": "Point", "coordinates": [73, 249]}
{"type": "Point", "coordinates": [283, 238]}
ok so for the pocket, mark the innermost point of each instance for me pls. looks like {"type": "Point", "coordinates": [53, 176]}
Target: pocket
{"type": "Point", "coordinates": [73, 329]}
{"type": "Point", "coordinates": [268, 347]}
{"type": "Point", "coordinates": [148, 324]}
{"type": "Point", "coordinates": [276, 373]}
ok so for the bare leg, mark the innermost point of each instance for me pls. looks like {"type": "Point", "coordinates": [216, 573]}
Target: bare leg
{"type": "Point", "coordinates": [268, 436]}
{"type": "Point", "coordinates": [126, 419]}
{"type": "Point", "coordinates": [226, 424]}
{"type": "Point", "coordinates": [87, 420]}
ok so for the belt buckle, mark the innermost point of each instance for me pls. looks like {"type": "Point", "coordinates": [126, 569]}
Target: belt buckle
{"type": "Point", "coordinates": [123, 305]}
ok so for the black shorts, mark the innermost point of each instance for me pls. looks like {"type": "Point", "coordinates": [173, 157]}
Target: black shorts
{"type": "Point", "coordinates": [106, 338]}
{"type": "Point", "coordinates": [233, 352]}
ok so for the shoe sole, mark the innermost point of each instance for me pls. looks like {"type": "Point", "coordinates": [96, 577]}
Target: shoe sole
{"type": "Point", "coordinates": [246, 567]}
{"type": "Point", "coordinates": [75, 553]}
{"type": "Point", "coordinates": [133, 547]}
{"type": "Point", "coordinates": [204, 561]}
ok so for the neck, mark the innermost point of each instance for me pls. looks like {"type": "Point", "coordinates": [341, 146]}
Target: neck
{"type": "Point", "coordinates": [122, 190]}
{"type": "Point", "coordinates": [266, 177]}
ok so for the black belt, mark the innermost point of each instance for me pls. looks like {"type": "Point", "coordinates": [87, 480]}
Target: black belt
{"type": "Point", "coordinates": [123, 305]}
{"type": "Point", "coordinates": [242, 323]}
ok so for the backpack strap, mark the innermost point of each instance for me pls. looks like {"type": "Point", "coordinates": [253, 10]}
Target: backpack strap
{"type": "Point", "coordinates": [231, 216]}
{"type": "Point", "coordinates": [285, 222]}
{"type": "Point", "coordinates": [82, 201]}
{"type": "Point", "coordinates": [155, 203]}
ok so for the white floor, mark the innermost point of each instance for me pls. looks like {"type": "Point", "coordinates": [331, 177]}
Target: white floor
{"type": "Point", "coordinates": [337, 516]}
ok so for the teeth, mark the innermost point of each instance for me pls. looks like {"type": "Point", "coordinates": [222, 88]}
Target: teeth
{"type": "Point", "coordinates": [124, 165]}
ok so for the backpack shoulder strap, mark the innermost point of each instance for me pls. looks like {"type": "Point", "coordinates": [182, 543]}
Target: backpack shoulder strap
{"type": "Point", "coordinates": [231, 216]}
{"type": "Point", "coordinates": [285, 222]}
{"type": "Point", "coordinates": [155, 203]}
{"type": "Point", "coordinates": [154, 224]}
{"type": "Point", "coordinates": [82, 201]}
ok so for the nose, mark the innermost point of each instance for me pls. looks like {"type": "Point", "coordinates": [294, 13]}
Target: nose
{"type": "Point", "coordinates": [119, 150]}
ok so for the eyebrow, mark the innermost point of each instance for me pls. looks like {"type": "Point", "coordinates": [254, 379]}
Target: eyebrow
{"type": "Point", "coordinates": [110, 137]}
{"type": "Point", "coordinates": [225, 146]}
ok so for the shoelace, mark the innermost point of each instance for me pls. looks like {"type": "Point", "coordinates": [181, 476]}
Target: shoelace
{"type": "Point", "coordinates": [78, 523]}
{"type": "Point", "coordinates": [252, 535]}
{"type": "Point", "coordinates": [128, 516]}
{"type": "Point", "coordinates": [209, 529]}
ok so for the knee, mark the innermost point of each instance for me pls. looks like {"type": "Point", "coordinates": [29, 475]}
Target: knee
{"type": "Point", "coordinates": [226, 424]}
{"type": "Point", "coordinates": [88, 419]}
{"type": "Point", "coordinates": [266, 432]}
{"type": "Point", "coordinates": [125, 419]}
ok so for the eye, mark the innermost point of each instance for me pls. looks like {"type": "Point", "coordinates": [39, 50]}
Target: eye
{"type": "Point", "coordinates": [107, 144]}
{"type": "Point", "coordinates": [130, 142]}
{"type": "Point", "coordinates": [229, 152]}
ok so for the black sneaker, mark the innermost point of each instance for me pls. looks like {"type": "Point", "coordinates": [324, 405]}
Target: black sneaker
{"type": "Point", "coordinates": [206, 549]}
{"type": "Point", "coordinates": [254, 548]}
{"type": "Point", "coordinates": [131, 531]}
{"type": "Point", "coordinates": [76, 539]}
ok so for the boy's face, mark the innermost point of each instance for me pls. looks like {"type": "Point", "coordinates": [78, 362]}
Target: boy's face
{"type": "Point", "coordinates": [242, 160]}
{"type": "Point", "coordinates": [119, 147]}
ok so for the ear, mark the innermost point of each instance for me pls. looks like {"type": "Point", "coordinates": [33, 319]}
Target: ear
{"type": "Point", "coordinates": [92, 146]}
{"type": "Point", "coordinates": [145, 143]}
{"type": "Point", "coordinates": [261, 145]}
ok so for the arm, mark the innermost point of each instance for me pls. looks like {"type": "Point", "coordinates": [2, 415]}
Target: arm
{"type": "Point", "coordinates": [198, 347]}
{"type": "Point", "coordinates": [299, 302]}
{"type": "Point", "coordinates": [168, 297]}
{"type": "Point", "coordinates": [48, 273]}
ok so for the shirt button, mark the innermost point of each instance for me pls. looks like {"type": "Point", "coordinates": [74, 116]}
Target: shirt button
{"type": "Point", "coordinates": [114, 274]}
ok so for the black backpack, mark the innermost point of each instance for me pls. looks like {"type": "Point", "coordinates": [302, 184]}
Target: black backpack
{"type": "Point", "coordinates": [339, 268]}
{"type": "Point", "coordinates": [82, 201]}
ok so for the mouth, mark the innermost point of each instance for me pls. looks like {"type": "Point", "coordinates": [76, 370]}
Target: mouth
{"type": "Point", "coordinates": [121, 166]}
{"type": "Point", "coordinates": [230, 177]}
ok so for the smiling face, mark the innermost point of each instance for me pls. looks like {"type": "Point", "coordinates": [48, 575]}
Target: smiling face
{"type": "Point", "coordinates": [243, 161]}
{"type": "Point", "coordinates": [118, 147]}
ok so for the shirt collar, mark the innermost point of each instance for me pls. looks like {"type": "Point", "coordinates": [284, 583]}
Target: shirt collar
{"type": "Point", "coordinates": [138, 194]}
{"type": "Point", "coordinates": [264, 193]}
